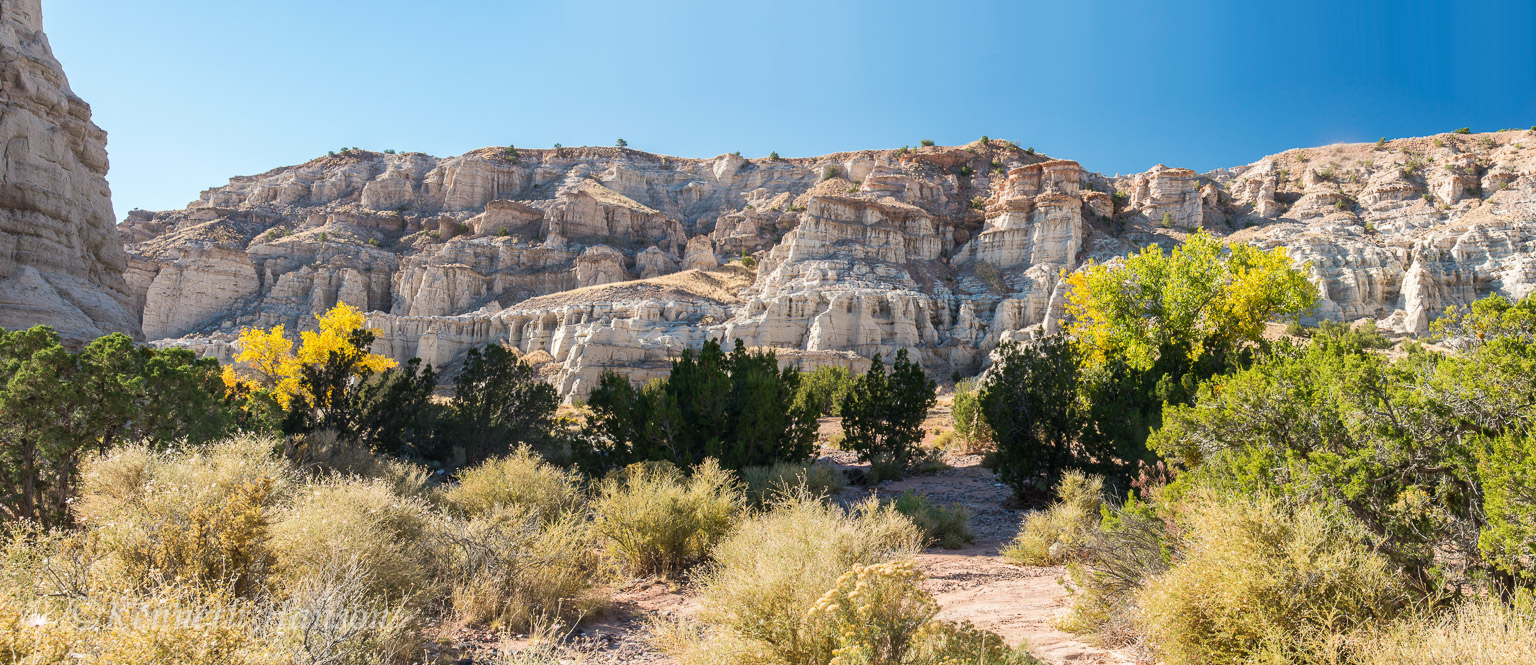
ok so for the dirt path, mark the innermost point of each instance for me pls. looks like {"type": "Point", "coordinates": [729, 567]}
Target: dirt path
{"type": "Point", "coordinates": [974, 584]}
{"type": "Point", "coordinates": [1014, 602]}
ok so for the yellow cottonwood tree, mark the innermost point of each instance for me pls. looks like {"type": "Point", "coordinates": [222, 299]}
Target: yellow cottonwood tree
{"type": "Point", "coordinates": [1203, 298]}
{"type": "Point", "coordinates": [266, 359]}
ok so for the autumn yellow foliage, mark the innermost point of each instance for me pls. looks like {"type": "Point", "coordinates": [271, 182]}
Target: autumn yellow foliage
{"type": "Point", "coordinates": [1205, 297]}
{"type": "Point", "coordinates": [266, 359]}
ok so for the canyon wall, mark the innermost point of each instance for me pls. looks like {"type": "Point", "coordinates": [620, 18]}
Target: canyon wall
{"type": "Point", "coordinates": [61, 262]}
{"type": "Point", "coordinates": [595, 259]}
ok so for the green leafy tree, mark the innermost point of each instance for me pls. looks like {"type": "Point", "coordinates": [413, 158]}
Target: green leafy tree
{"type": "Point", "coordinates": [883, 412]}
{"type": "Point", "coordinates": [499, 403]}
{"type": "Point", "coordinates": [1204, 300]}
{"type": "Point", "coordinates": [56, 407]}
{"type": "Point", "coordinates": [825, 387]}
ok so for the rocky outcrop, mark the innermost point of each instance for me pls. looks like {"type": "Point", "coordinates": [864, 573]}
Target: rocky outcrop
{"type": "Point", "coordinates": [596, 259]}
{"type": "Point", "coordinates": [61, 263]}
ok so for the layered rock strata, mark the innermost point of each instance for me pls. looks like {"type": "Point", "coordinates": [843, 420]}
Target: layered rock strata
{"type": "Point", "coordinates": [597, 259]}
{"type": "Point", "coordinates": [61, 262]}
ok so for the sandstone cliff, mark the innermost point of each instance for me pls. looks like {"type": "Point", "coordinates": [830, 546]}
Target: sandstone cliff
{"type": "Point", "coordinates": [589, 259]}
{"type": "Point", "coordinates": [61, 262]}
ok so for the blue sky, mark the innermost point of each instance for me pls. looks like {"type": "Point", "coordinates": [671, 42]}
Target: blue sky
{"type": "Point", "coordinates": [193, 92]}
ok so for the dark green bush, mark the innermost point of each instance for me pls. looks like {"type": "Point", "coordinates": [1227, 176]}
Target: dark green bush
{"type": "Point", "coordinates": [883, 413]}
{"type": "Point", "coordinates": [739, 408]}
{"type": "Point", "coordinates": [499, 403]}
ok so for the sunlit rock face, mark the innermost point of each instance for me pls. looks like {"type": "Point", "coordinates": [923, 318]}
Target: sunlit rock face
{"type": "Point", "coordinates": [590, 260]}
{"type": "Point", "coordinates": [61, 262]}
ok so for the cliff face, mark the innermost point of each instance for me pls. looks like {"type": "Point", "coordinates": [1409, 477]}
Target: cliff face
{"type": "Point", "coordinates": [61, 262]}
{"type": "Point", "coordinates": [589, 259]}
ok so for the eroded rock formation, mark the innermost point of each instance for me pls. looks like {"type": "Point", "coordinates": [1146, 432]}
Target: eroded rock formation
{"type": "Point", "coordinates": [595, 259]}
{"type": "Point", "coordinates": [61, 262]}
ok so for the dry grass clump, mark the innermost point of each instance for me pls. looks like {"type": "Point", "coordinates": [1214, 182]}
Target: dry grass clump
{"type": "Point", "coordinates": [344, 522]}
{"type": "Point", "coordinates": [812, 584]}
{"type": "Point", "coordinates": [1477, 632]}
{"type": "Point", "coordinates": [1130, 547]}
{"type": "Point", "coordinates": [1055, 535]}
{"type": "Point", "coordinates": [511, 567]}
{"type": "Point", "coordinates": [768, 574]}
{"type": "Point", "coordinates": [174, 623]}
{"type": "Point", "coordinates": [324, 453]}
{"type": "Point", "coordinates": [522, 480]}
{"type": "Point", "coordinates": [229, 553]}
{"type": "Point", "coordinates": [766, 484]}
{"type": "Point", "coordinates": [948, 527]}
{"type": "Point", "coordinates": [195, 516]}
{"type": "Point", "coordinates": [879, 614]}
{"type": "Point", "coordinates": [653, 520]}
{"type": "Point", "coordinates": [1259, 581]}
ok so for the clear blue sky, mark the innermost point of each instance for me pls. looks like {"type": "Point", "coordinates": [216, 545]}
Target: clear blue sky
{"type": "Point", "coordinates": [193, 92]}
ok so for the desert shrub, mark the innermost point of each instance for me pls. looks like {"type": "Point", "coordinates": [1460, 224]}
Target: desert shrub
{"type": "Point", "coordinates": [825, 388]}
{"type": "Point", "coordinates": [765, 484]}
{"type": "Point", "coordinates": [946, 440]}
{"type": "Point", "coordinates": [191, 516]}
{"type": "Point", "coordinates": [340, 523]}
{"type": "Point", "coordinates": [757, 595]}
{"type": "Point", "coordinates": [1335, 425]}
{"type": "Point", "coordinates": [883, 469]}
{"type": "Point", "coordinates": [324, 453]}
{"type": "Point", "coordinates": [1259, 580]}
{"type": "Point", "coordinates": [331, 623]}
{"type": "Point", "coordinates": [948, 527]}
{"type": "Point", "coordinates": [511, 565]}
{"type": "Point", "coordinates": [992, 276]}
{"type": "Point", "coordinates": [871, 613]}
{"type": "Point", "coordinates": [1365, 335]}
{"type": "Point", "coordinates": [653, 520]}
{"type": "Point", "coordinates": [830, 171]}
{"type": "Point", "coordinates": [57, 407]}
{"type": "Point", "coordinates": [1131, 545]}
{"type": "Point", "coordinates": [929, 461]}
{"type": "Point", "coordinates": [1476, 632]}
{"type": "Point", "coordinates": [878, 614]}
{"type": "Point", "coordinates": [522, 480]}
{"type": "Point", "coordinates": [1055, 535]}
{"type": "Point", "coordinates": [944, 642]}
{"type": "Point", "coordinates": [739, 408]}
{"type": "Point", "coordinates": [970, 426]}
{"type": "Point", "coordinates": [883, 413]}
{"type": "Point", "coordinates": [926, 143]}
{"type": "Point", "coordinates": [837, 441]}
